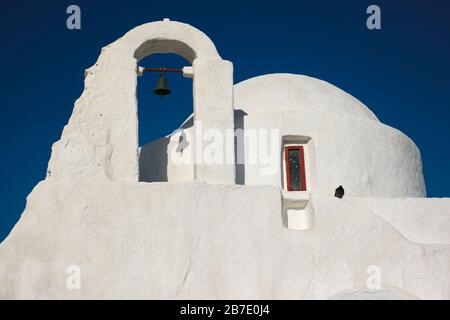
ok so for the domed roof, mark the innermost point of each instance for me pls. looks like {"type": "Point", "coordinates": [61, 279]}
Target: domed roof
{"type": "Point", "coordinates": [290, 92]}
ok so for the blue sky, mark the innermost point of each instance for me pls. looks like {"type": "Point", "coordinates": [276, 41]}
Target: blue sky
{"type": "Point", "coordinates": [401, 72]}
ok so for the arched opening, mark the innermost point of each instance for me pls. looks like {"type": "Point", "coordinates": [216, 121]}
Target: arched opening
{"type": "Point", "coordinates": [101, 138]}
{"type": "Point", "coordinates": [212, 103]}
{"type": "Point", "coordinates": [160, 116]}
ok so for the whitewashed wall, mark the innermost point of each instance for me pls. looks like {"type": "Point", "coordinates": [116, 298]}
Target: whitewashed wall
{"type": "Point", "coordinates": [348, 146]}
{"type": "Point", "coordinates": [198, 240]}
{"type": "Point", "coordinates": [101, 138]}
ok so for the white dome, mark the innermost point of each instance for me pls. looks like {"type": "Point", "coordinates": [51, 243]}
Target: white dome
{"type": "Point", "coordinates": [291, 92]}
{"type": "Point", "coordinates": [351, 146]}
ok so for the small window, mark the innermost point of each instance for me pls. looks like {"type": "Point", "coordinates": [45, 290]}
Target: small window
{"type": "Point", "coordinates": [295, 168]}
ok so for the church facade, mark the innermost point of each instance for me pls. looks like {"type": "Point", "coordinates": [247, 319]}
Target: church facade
{"type": "Point", "coordinates": [281, 186]}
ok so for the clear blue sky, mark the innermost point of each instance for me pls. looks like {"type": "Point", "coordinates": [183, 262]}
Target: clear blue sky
{"type": "Point", "coordinates": [401, 72]}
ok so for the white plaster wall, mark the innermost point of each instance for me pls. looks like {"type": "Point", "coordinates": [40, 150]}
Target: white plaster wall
{"type": "Point", "coordinates": [421, 220]}
{"type": "Point", "coordinates": [387, 293]}
{"type": "Point", "coordinates": [196, 240]}
{"type": "Point", "coordinates": [351, 147]}
{"type": "Point", "coordinates": [154, 160]}
{"type": "Point", "coordinates": [280, 92]}
{"type": "Point", "coordinates": [213, 109]}
{"type": "Point", "coordinates": [367, 158]}
{"type": "Point", "coordinates": [348, 145]}
{"type": "Point", "coordinates": [101, 136]}
{"type": "Point", "coordinates": [164, 161]}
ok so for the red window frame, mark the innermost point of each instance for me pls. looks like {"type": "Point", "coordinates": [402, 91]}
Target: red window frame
{"type": "Point", "coordinates": [301, 155]}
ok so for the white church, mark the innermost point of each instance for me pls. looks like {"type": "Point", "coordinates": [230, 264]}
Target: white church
{"type": "Point", "coordinates": [279, 187]}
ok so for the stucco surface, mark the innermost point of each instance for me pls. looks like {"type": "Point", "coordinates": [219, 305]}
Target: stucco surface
{"type": "Point", "coordinates": [101, 137]}
{"type": "Point", "coordinates": [348, 146]}
{"type": "Point", "coordinates": [198, 240]}
{"type": "Point", "coordinates": [204, 239]}
{"type": "Point", "coordinates": [421, 220]}
{"type": "Point", "coordinates": [280, 92]}
{"type": "Point", "coordinates": [156, 159]}
{"type": "Point", "coordinates": [367, 158]}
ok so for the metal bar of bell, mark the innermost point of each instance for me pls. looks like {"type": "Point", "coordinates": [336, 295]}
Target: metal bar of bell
{"type": "Point", "coordinates": [163, 70]}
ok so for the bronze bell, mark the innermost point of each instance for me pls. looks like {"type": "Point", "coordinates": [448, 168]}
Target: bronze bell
{"type": "Point", "coordinates": [161, 87]}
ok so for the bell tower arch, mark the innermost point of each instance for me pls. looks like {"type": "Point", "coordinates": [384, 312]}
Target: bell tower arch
{"type": "Point", "coordinates": [101, 138]}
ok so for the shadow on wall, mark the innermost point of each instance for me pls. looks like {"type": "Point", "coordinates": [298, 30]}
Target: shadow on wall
{"type": "Point", "coordinates": [239, 146]}
{"type": "Point", "coordinates": [153, 156]}
{"type": "Point", "coordinates": [152, 162]}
